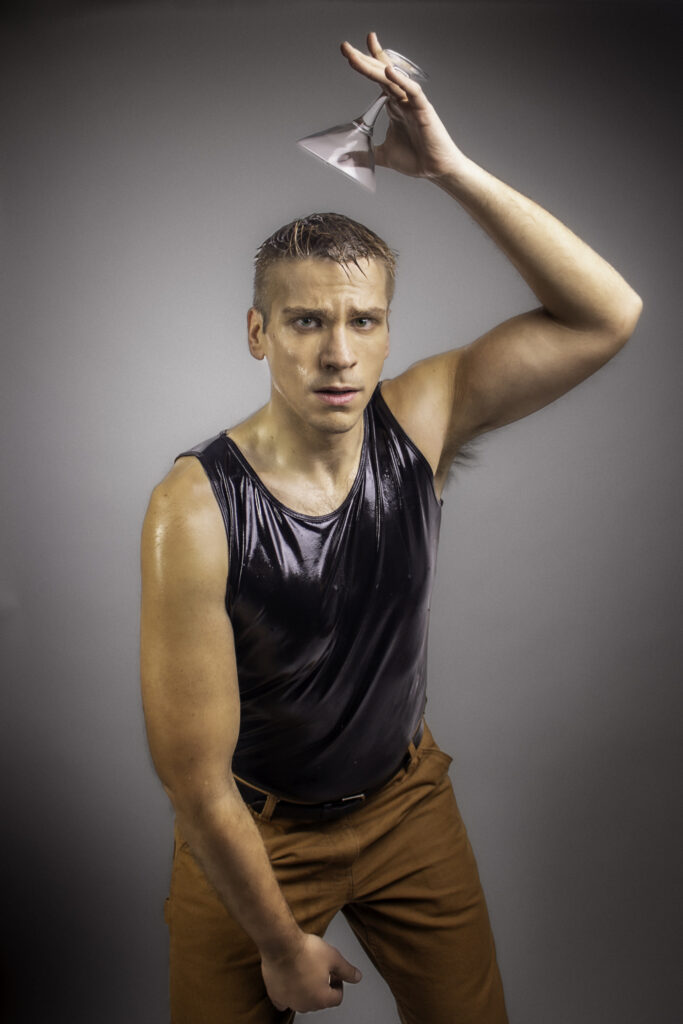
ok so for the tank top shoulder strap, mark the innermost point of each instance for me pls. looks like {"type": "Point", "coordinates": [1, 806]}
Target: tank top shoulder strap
{"type": "Point", "coordinates": [219, 463]}
{"type": "Point", "coordinates": [397, 437]}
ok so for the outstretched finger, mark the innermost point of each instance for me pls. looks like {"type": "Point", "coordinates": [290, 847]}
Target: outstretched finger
{"type": "Point", "coordinates": [373, 68]}
{"type": "Point", "coordinates": [375, 47]}
{"type": "Point", "coordinates": [394, 73]}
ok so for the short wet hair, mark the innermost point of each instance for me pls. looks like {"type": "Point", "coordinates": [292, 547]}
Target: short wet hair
{"type": "Point", "coordinates": [325, 236]}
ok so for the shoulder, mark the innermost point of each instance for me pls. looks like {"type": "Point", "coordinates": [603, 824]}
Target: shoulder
{"type": "Point", "coordinates": [422, 398]}
{"type": "Point", "coordinates": [184, 495]}
{"type": "Point", "coordinates": [183, 528]}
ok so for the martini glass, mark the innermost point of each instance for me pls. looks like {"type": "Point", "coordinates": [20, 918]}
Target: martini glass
{"type": "Point", "coordinates": [348, 147]}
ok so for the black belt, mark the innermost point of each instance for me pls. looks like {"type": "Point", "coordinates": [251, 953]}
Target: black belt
{"type": "Point", "coordinates": [256, 798]}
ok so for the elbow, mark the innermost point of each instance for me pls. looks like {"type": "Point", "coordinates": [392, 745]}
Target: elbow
{"type": "Point", "coordinates": [199, 802]}
{"type": "Point", "coordinates": [632, 311]}
{"type": "Point", "coordinates": [627, 319]}
{"type": "Point", "coordinates": [616, 330]}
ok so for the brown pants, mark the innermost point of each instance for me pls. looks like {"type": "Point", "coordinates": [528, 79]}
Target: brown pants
{"type": "Point", "coordinates": [402, 872]}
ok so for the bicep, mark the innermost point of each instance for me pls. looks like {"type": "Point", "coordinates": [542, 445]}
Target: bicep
{"type": "Point", "coordinates": [188, 672]}
{"type": "Point", "coordinates": [510, 372]}
{"type": "Point", "coordinates": [523, 365]}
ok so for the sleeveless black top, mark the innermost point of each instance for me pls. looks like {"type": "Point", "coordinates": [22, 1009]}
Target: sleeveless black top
{"type": "Point", "coordinates": [330, 616]}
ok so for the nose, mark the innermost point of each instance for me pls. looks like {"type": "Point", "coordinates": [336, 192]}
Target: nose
{"type": "Point", "coordinates": [337, 352]}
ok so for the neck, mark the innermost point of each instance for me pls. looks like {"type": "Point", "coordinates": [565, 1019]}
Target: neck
{"type": "Point", "coordinates": [282, 443]}
{"type": "Point", "coordinates": [302, 448]}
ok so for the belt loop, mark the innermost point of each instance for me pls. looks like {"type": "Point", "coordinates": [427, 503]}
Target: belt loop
{"type": "Point", "coordinates": [267, 813]}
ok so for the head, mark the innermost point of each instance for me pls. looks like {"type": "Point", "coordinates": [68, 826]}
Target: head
{"type": "Point", "coordinates": [330, 236]}
{"type": "Point", "coordinates": [320, 318]}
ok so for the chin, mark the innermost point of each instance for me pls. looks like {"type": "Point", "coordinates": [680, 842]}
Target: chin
{"type": "Point", "coordinates": [336, 423]}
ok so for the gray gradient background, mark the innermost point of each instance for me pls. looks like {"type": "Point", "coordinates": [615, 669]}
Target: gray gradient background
{"type": "Point", "coordinates": [147, 149]}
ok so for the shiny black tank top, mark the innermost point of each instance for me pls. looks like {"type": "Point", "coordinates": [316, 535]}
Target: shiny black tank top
{"type": "Point", "coordinates": [330, 616]}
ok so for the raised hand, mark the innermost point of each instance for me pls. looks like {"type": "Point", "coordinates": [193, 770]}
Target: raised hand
{"type": "Point", "coordinates": [417, 142]}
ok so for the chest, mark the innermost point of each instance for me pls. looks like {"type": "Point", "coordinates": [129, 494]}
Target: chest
{"type": "Point", "coordinates": [307, 496]}
{"type": "Point", "coordinates": [296, 579]}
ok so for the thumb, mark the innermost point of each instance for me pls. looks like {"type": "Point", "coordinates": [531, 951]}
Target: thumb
{"type": "Point", "coordinates": [342, 970]}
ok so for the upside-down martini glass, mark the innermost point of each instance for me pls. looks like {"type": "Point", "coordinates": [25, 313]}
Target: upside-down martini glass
{"type": "Point", "coordinates": [348, 147]}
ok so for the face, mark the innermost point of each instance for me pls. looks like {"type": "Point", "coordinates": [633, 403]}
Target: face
{"type": "Point", "coordinates": [326, 339]}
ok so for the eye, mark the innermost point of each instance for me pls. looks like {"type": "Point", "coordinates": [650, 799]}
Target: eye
{"type": "Point", "coordinates": [365, 323]}
{"type": "Point", "coordinates": [306, 323]}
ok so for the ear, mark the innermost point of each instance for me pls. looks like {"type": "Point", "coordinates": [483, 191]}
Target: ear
{"type": "Point", "coordinates": [255, 333]}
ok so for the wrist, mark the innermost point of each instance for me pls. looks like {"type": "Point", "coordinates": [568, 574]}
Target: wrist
{"type": "Point", "coordinates": [284, 946]}
{"type": "Point", "coordinates": [458, 176]}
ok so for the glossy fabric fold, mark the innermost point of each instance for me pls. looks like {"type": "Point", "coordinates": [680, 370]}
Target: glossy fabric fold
{"type": "Point", "coordinates": [330, 616]}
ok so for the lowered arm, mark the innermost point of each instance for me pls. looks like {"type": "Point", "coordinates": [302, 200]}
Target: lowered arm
{"type": "Point", "coordinates": [191, 704]}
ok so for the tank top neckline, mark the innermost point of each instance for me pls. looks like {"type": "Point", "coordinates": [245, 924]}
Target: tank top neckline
{"type": "Point", "coordinates": [302, 516]}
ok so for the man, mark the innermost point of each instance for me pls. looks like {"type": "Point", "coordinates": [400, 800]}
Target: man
{"type": "Point", "coordinates": [287, 567]}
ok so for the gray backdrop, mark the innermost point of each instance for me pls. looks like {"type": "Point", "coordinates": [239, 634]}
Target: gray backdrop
{"type": "Point", "coordinates": [148, 148]}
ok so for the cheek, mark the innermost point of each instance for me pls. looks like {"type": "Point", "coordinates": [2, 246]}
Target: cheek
{"type": "Point", "coordinates": [382, 350]}
{"type": "Point", "coordinates": [288, 364]}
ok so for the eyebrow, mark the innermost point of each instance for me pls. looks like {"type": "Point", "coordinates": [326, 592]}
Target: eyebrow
{"type": "Point", "coordinates": [304, 311]}
{"type": "Point", "coordinates": [375, 311]}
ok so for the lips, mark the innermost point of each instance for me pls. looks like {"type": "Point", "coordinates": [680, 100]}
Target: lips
{"type": "Point", "coordinates": [336, 395]}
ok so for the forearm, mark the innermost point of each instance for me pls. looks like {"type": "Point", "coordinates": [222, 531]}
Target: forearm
{"type": "Point", "coordinates": [575, 285]}
{"type": "Point", "coordinates": [225, 841]}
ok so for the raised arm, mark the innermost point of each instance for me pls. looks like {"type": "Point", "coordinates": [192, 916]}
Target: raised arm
{"type": "Point", "coordinates": [587, 309]}
{"type": "Point", "coordinates": [191, 704]}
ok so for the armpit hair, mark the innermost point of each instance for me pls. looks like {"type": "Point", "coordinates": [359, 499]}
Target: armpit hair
{"type": "Point", "coordinates": [466, 458]}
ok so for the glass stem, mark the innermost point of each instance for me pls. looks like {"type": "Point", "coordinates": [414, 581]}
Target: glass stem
{"type": "Point", "coordinates": [366, 121]}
